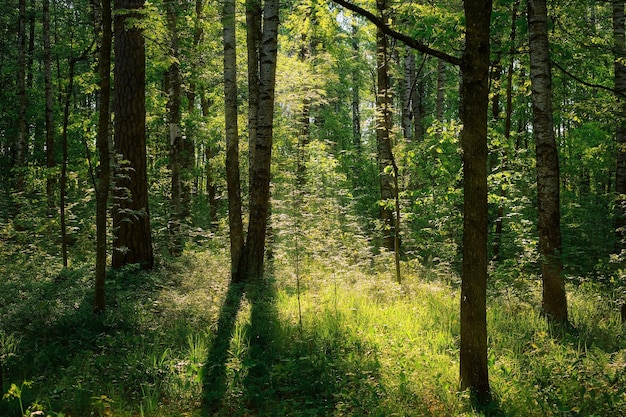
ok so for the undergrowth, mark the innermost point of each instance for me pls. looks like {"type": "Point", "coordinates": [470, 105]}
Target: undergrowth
{"type": "Point", "coordinates": [182, 341]}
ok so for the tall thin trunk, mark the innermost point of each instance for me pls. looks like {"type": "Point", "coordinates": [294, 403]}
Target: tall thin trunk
{"type": "Point", "coordinates": [474, 372]}
{"type": "Point", "coordinates": [63, 183]}
{"type": "Point", "coordinates": [356, 93]}
{"type": "Point", "coordinates": [408, 86]}
{"type": "Point", "coordinates": [20, 153]}
{"type": "Point", "coordinates": [507, 129]}
{"type": "Point", "coordinates": [548, 193]}
{"type": "Point", "coordinates": [253, 41]}
{"type": "Point", "coordinates": [386, 164]}
{"type": "Point", "coordinates": [211, 187]}
{"type": "Point", "coordinates": [131, 214]}
{"type": "Point", "coordinates": [441, 88]}
{"type": "Point", "coordinates": [176, 220]}
{"type": "Point", "coordinates": [252, 260]}
{"type": "Point", "coordinates": [49, 98]}
{"type": "Point", "coordinates": [232, 137]}
{"type": "Point", "coordinates": [304, 136]}
{"type": "Point", "coordinates": [103, 140]}
{"type": "Point", "coordinates": [619, 41]}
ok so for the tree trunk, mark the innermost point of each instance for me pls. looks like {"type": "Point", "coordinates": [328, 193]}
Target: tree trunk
{"type": "Point", "coordinates": [356, 94]}
{"type": "Point", "coordinates": [177, 218]}
{"type": "Point", "coordinates": [620, 134]}
{"type": "Point", "coordinates": [386, 164]}
{"type": "Point", "coordinates": [441, 88]}
{"type": "Point", "coordinates": [211, 188]}
{"type": "Point", "coordinates": [20, 152]}
{"type": "Point", "coordinates": [131, 215]}
{"type": "Point", "coordinates": [251, 264]}
{"type": "Point", "coordinates": [63, 183]}
{"type": "Point", "coordinates": [407, 92]}
{"type": "Point", "coordinates": [232, 137]}
{"type": "Point", "coordinates": [49, 98]}
{"type": "Point", "coordinates": [104, 135]}
{"type": "Point", "coordinates": [253, 40]}
{"type": "Point", "coordinates": [497, 239]}
{"type": "Point", "coordinates": [554, 303]}
{"type": "Point", "coordinates": [474, 103]}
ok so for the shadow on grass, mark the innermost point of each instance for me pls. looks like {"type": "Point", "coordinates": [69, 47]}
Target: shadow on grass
{"type": "Point", "coordinates": [71, 355]}
{"type": "Point", "coordinates": [285, 370]}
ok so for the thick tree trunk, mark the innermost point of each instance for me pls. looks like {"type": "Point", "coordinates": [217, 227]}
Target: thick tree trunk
{"type": "Point", "coordinates": [131, 215]}
{"type": "Point", "coordinates": [548, 201]}
{"type": "Point", "coordinates": [103, 140]}
{"type": "Point", "coordinates": [474, 103]}
{"type": "Point", "coordinates": [232, 137]}
{"type": "Point", "coordinates": [251, 264]}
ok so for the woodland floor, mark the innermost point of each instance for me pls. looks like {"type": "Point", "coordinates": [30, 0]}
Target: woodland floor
{"type": "Point", "coordinates": [322, 339]}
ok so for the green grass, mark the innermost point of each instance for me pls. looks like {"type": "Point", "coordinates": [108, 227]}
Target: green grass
{"type": "Point", "coordinates": [181, 341]}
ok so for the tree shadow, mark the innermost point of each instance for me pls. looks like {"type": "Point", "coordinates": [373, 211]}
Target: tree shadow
{"type": "Point", "coordinates": [285, 369]}
{"type": "Point", "coordinates": [214, 384]}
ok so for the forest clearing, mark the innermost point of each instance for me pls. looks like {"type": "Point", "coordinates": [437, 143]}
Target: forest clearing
{"type": "Point", "coordinates": [180, 342]}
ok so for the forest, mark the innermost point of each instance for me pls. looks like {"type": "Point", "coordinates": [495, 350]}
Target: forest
{"type": "Point", "coordinates": [312, 208]}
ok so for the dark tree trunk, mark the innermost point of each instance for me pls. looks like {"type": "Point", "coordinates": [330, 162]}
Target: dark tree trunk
{"type": "Point", "coordinates": [20, 144]}
{"type": "Point", "coordinates": [232, 137]}
{"type": "Point", "coordinates": [386, 164]}
{"type": "Point", "coordinates": [441, 88]}
{"type": "Point", "coordinates": [554, 303]}
{"type": "Point", "coordinates": [49, 98]}
{"type": "Point", "coordinates": [474, 103]}
{"type": "Point", "coordinates": [253, 42]}
{"type": "Point", "coordinates": [103, 140]}
{"type": "Point", "coordinates": [131, 215]}
{"type": "Point", "coordinates": [356, 94]}
{"type": "Point", "coordinates": [620, 134]}
{"type": "Point", "coordinates": [497, 239]}
{"type": "Point", "coordinates": [64, 162]}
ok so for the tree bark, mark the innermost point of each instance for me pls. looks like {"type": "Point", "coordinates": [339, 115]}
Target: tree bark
{"type": "Point", "coordinates": [619, 41]}
{"type": "Point", "coordinates": [387, 168]}
{"type": "Point", "coordinates": [104, 135]}
{"type": "Point", "coordinates": [20, 152]}
{"type": "Point", "coordinates": [49, 99]}
{"type": "Point", "coordinates": [356, 94]}
{"type": "Point", "coordinates": [177, 217]}
{"type": "Point", "coordinates": [474, 103]}
{"type": "Point", "coordinates": [253, 39]}
{"type": "Point", "coordinates": [252, 260]}
{"type": "Point", "coordinates": [131, 215]}
{"type": "Point", "coordinates": [497, 239]}
{"type": "Point", "coordinates": [441, 88]}
{"type": "Point", "coordinates": [232, 137]}
{"type": "Point", "coordinates": [554, 302]}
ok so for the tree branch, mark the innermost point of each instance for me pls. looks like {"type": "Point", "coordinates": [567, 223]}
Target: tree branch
{"type": "Point", "coordinates": [407, 40]}
{"type": "Point", "coordinates": [588, 84]}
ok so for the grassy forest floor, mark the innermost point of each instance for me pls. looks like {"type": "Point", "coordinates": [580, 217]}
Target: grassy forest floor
{"type": "Point", "coordinates": [181, 341]}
